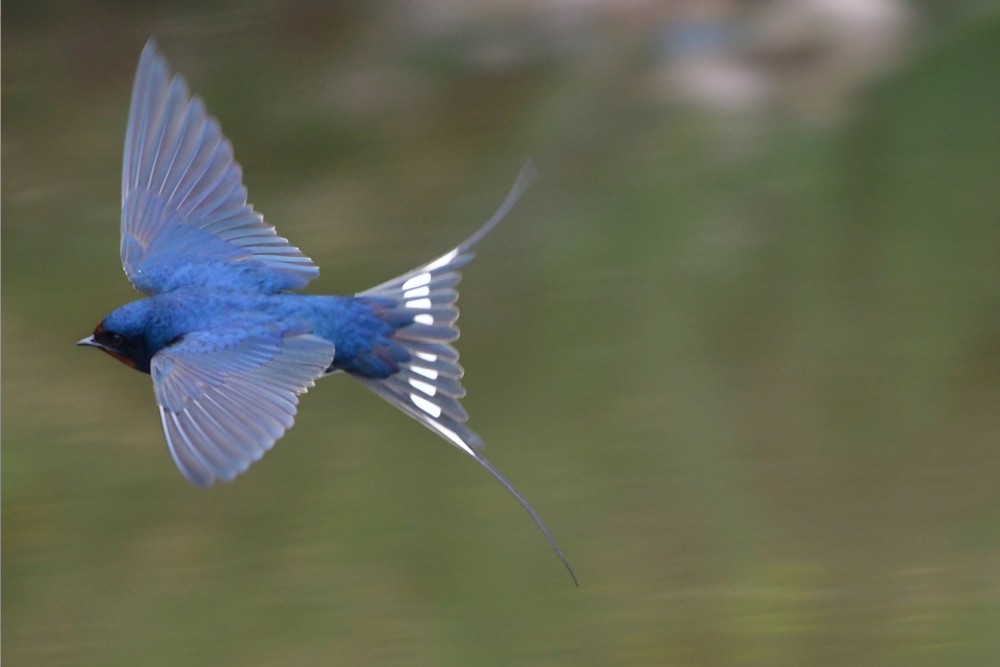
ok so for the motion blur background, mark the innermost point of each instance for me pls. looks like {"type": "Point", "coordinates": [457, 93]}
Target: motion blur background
{"type": "Point", "coordinates": [740, 344]}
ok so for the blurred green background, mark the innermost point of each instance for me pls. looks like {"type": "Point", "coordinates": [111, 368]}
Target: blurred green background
{"type": "Point", "coordinates": [739, 345]}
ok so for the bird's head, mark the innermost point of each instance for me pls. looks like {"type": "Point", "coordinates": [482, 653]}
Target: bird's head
{"type": "Point", "coordinates": [122, 334]}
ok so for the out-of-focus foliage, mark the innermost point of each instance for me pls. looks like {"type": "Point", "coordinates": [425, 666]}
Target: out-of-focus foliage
{"type": "Point", "coordinates": [740, 345]}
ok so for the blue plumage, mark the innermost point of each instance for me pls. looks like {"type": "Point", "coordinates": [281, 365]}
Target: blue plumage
{"type": "Point", "coordinates": [228, 345]}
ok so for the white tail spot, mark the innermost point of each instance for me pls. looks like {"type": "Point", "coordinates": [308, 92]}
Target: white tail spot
{"type": "Point", "coordinates": [416, 292]}
{"type": "Point", "coordinates": [424, 318]}
{"type": "Point", "coordinates": [427, 356]}
{"type": "Point", "coordinates": [417, 281]}
{"type": "Point", "coordinates": [443, 260]}
{"type": "Point", "coordinates": [425, 387]}
{"type": "Point", "coordinates": [453, 437]}
{"type": "Point", "coordinates": [419, 303]}
{"type": "Point", "coordinates": [426, 372]}
{"type": "Point", "coordinates": [425, 405]}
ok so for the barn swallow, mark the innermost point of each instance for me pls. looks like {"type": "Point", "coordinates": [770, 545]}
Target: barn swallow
{"type": "Point", "coordinates": [228, 342]}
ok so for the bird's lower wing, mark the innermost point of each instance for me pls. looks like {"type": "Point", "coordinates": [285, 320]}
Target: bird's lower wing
{"type": "Point", "coordinates": [227, 395]}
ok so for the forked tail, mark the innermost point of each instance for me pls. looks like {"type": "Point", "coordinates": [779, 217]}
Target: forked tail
{"type": "Point", "coordinates": [428, 387]}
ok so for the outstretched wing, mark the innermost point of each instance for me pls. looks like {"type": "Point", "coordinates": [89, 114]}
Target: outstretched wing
{"type": "Point", "coordinates": [183, 199]}
{"type": "Point", "coordinates": [226, 395]}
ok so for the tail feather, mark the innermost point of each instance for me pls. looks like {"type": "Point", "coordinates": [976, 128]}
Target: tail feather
{"type": "Point", "coordinates": [426, 302]}
{"type": "Point", "coordinates": [428, 385]}
{"type": "Point", "coordinates": [436, 353]}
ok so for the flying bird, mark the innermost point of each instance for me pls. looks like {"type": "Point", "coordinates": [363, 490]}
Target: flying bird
{"type": "Point", "coordinates": [227, 341]}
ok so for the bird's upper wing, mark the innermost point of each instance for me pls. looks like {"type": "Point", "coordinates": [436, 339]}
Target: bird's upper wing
{"type": "Point", "coordinates": [226, 395]}
{"type": "Point", "coordinates": [183, 199]}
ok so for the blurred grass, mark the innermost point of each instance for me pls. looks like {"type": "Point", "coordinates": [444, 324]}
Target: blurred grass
{"type": "Point", "coordinates": [748, 374]}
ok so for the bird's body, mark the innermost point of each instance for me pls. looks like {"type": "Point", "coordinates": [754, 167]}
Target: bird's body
{"type": "Point", "coordinates": [227, 341]}
{"type": "Point", "coordinates": [350, 324]}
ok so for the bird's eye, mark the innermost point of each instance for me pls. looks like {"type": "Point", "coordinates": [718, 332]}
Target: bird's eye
{"type": "Point", "coordinates": [117, 340]}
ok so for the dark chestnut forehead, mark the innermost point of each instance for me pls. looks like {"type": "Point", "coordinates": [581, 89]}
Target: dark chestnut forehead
{"type": "Point", "coordinates": [102, 334]}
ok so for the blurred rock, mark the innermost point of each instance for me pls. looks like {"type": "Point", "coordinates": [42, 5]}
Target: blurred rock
{"type": "Point", "coordinates": [806, 57]}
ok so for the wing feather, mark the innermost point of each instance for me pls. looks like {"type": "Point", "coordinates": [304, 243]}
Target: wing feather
{"type": "Point", "coordinates": [183, 199]}
{"type": "Point", "coordinates": [226, 397]}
